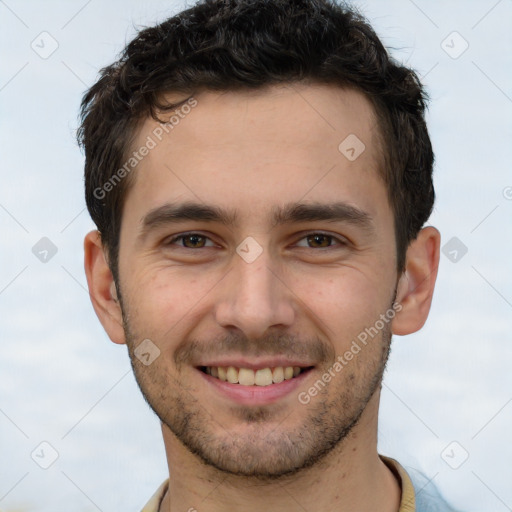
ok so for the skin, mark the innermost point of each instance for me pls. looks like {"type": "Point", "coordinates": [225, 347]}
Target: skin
{"type": "Point", "coordinates": [249, 153]}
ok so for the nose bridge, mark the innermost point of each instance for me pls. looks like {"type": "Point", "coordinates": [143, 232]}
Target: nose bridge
{"type": "Point", "coordinates": [256, 282]}
{"type": "Point", "coordinates": [254, 298]}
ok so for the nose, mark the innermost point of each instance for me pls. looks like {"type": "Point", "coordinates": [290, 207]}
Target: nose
{"type": "Point", "coordinates": [254, 298]}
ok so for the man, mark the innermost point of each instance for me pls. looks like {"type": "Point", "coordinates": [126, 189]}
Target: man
{"type": "Point", "coordinates": [260, 173]}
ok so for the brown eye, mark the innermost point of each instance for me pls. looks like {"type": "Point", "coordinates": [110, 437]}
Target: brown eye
{"type": "Point", "coordinates": [319, 240]}
{"type": "Point", "coordinates": [191, 241]}
{"type": "Point", "coordinates": [195, 241]}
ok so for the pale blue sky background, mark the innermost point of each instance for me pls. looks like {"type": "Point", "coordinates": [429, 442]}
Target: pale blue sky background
{"type": "Point", "coordinates": [63, 382]}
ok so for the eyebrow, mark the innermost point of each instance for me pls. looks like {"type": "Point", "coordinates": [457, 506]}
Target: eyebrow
{"type": "Point", "coordinates": [290, 213]}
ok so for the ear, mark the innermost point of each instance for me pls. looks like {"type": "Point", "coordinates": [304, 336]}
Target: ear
{"type": "Point", "coordinates": [416, 284]}
{"type": "Point", "coordinates": [102, 289]}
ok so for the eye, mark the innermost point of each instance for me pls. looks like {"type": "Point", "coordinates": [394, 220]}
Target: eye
{"type": "Point", "coordinates": [191, 241]}
{"type": "Point", "coordinates": [321, 241]}
{"type": "Point", "coordinates": [311, 241]}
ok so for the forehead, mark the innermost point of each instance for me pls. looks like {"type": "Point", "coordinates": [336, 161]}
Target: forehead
{"type": "Point", "coordinates": [265, 145]}
{"type": "Point", "coordinates": [297, 115]}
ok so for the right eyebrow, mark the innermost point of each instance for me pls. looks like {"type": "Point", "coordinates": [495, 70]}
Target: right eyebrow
{"type": "Point", "coordinates": [170, 213]}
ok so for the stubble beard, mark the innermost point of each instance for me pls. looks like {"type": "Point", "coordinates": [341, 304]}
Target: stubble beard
{"type": "Point", "coordinates": [265, 448]}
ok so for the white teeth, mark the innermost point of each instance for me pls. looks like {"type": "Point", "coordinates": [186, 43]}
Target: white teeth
{"type": "Point", "coordinates": [278, 374]}
{"type": "Point", "coordinates": [249, 377]}
{"type": "Point", "coordinates": [263, 377]}
{"type": "Point", "coordinates": [288, 372]}
{"type": "Point", "coordinates": [232, 375]}
{"type": "Point", "coordinates": [246, 377]}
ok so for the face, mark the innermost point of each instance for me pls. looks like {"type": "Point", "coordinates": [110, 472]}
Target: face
{"type": "Point", "coordinates": [252, 244]}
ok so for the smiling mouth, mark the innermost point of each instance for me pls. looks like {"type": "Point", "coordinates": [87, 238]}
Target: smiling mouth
{"type": "Point", "coordinates": [249, 377]}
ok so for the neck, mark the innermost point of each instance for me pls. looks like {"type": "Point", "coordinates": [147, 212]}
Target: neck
{"type": "Point", "coordinates": [351, 477]}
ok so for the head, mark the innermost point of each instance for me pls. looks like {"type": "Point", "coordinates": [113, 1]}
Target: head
{"type": "Point", "coordinates": [259, 173]}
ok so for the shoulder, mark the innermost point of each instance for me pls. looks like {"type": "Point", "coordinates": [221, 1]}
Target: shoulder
{"type": "Point", "coordinates": [428, 497]}
{"type": "Point", "coordinates": [153, 505]}
{"type": "Point", "coordinates": [417, 490]}
{"type": "Point", "coordinates": [419, 494]}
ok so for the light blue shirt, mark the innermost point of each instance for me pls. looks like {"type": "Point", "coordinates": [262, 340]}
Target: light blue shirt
{"type": "Point", "coordinates": [428, 498]}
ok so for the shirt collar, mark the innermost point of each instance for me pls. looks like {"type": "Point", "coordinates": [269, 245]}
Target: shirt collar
{"type": "Point", "coordinates": [407, 501]}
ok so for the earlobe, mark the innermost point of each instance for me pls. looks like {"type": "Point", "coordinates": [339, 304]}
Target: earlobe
{"type": "Point", "coordinates": [416, 284]}
{"type": "Point", "coordinates": [102, 288]}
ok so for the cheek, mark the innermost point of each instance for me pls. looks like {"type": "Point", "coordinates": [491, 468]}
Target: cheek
{"type": "Point", "coordinates": [344, 304]}
{"type": "Point", "coordinates": [163, 299]}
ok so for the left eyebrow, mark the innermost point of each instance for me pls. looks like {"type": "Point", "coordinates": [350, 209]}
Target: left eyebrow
{"type": "Point", "coordinates": [290, 213]}
{"type": "Point", "coordinates": [331, 212]}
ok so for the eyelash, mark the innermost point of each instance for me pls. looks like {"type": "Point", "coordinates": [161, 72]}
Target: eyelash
{"type": "Point", "coordinates": [341, 242]}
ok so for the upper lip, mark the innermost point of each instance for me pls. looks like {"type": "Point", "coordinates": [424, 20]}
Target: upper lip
{"type": "Point", "coordinates": [256, 364]}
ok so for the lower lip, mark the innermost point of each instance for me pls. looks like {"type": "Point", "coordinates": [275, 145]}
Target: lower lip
{"type": "Point", "coordinates": [256, 395]}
